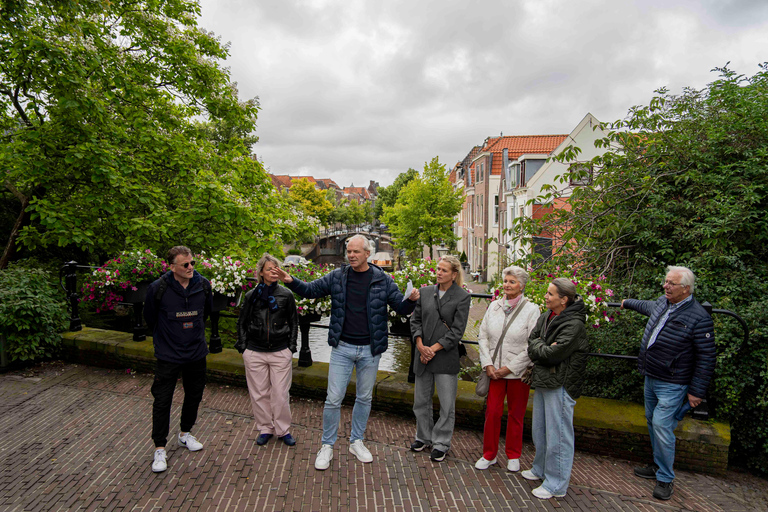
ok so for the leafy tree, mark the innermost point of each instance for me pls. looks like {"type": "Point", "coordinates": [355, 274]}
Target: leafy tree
{"type": "Point", "coordinates": [685, 182]}
{"type": "Point", "coordinates": [387, 196]}
{"type": "Point", "coordinates": [311, 200]}
{"type": "Point", "coordinates": [425, 209]}
{"type": "Point", "coordinates": [356, 213]}
{"type": "Point", "coordinates": [120, 128]}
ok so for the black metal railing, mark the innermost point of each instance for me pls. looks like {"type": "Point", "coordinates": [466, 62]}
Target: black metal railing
{"type": "Point", "coordinates": [68, 275]}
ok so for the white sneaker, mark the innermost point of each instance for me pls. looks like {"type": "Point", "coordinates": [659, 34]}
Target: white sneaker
{"type": "Point", "coordinates": [360, 451]}
{"type": "Point", "coordinates": [159, 464]}
{"type": "Point", "coordinates": [190, 442]}
{"type": "Point", "coordinates": [528, 475]}
{"type": "Point", "coordinates": [324, 457]}
{"type": "Point", "coordinates": [484, 463]}
{"type": "Point", "coordinates": [543, 494]}
{"type": "Point", "coordinates": [513, 465]}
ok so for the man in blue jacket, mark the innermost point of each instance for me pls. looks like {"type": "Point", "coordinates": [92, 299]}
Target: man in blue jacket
{"type": "Point", "coordinates": [677, 357]}
{"type": "Point", "coordinates": [176, 307]}
{"type": "Point", "coordinates": [357, 332]}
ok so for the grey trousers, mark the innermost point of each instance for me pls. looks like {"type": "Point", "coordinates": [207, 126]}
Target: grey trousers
{"type": "Point", "coordinates": [427, 431]}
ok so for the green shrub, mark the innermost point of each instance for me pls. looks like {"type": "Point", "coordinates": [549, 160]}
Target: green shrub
{"type": "Point", "coordinates": [32, 313]}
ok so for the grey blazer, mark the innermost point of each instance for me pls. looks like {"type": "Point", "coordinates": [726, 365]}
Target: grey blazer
{"type": "Point", "coordinates": [425, 322]}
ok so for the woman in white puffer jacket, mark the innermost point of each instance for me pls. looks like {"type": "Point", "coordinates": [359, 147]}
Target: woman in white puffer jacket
{"type": "Point", "coordinates": [509, 365]}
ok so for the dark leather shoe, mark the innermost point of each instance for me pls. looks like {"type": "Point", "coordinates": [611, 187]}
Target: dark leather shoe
{"type": "Point", "coordinates": [663, 490]}
{"type": "Point", "coordinates": [648, 472]}
{"type": "Point", "coordinates": [417, 446]}
{"type": "Point", "coordinates": [263, 438]}
{"type": "Point", "coordinates": [437, 455]}
{"type": "Point", "coordinates": [288, 439]}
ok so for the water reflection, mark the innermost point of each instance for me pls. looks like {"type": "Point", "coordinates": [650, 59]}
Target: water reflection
{"type": "Point", "coordinates": [397, 358]}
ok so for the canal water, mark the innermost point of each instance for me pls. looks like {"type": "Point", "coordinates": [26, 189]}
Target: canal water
{"type": "Point", "coordinates": [397, 358]}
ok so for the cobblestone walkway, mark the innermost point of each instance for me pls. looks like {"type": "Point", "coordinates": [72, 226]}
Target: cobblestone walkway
{"type": "Point", "coordinates": [77, 438]}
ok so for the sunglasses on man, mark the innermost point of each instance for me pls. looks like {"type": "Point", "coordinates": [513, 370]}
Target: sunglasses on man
{"type": "Point", "coordinates": [187, 264]}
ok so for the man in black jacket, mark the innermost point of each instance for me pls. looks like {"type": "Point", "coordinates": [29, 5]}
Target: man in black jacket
{"type": "Point", "coordinates": [677, 357]}
{"type": "Point", "coordinates": [176, 307]}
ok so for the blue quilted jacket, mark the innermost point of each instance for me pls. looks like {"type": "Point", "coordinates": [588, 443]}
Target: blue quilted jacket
{"type": "Point", "coordinates": [684, 351]}
{"type": "Point", "coordinates": [382, 291]}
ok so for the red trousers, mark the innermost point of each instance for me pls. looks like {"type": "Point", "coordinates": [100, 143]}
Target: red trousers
{"type": "Point", "coordinates": [517, 400]}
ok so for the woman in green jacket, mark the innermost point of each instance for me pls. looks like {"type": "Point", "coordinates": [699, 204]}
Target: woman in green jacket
{"type": "Point", "coordinates": [558, 347]}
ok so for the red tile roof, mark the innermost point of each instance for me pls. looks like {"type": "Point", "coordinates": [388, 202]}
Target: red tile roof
{"type": "Point", "coordinates": [361, 191]}
{"type": "Point", "coordinates": [518, 145]}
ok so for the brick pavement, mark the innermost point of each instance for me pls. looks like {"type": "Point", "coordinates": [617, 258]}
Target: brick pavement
{"type": "Point", "coordinates": [77, 438]}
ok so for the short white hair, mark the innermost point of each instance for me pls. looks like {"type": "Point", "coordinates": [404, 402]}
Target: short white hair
{"type": "Point", "coordinates": [367, 244]}
{"type": "Point", "coordinates": [517, 272]}
{"type": "Point", "coordinates": [687, 277]}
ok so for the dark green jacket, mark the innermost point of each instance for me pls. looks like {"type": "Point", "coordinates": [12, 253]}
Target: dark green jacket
{"type": "Point", "coordinates": [562, 364]}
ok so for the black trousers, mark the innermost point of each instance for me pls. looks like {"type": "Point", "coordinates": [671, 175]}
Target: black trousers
{"type": "Point", "coordinates": [193, 381]}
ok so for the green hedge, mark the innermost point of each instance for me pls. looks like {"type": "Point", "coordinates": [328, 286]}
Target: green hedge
{"type": "Point", "coordinates": [739, 390]}
{"type": "Point", "coordinates": [32, 313]}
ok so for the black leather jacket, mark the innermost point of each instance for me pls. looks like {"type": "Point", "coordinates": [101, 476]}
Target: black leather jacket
{"type": "Point", "coordinates": [260, 329]}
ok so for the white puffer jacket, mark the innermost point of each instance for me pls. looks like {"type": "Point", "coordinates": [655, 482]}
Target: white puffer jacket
{"type": "Point", "coordinates": [514, 351]}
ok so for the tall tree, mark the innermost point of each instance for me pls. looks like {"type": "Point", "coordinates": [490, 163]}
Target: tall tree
{"type": "Point", "coordinates": [425, 209]}
{"type": "Point", "coordinates": [311, 200]}
{"type": "Point", "coordinates": [120, 127]}
{"type": "Point", "coordinates": [684, 179]}
{"type": "Point", "coordinates": [387, 196]}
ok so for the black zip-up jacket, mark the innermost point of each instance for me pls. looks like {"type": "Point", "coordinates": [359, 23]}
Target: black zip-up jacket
{"type": "Point", "coordinates": [261, 330]}
{"type": "Point", "coordinates": [684, 351]}
{"type": "Point", "coordinates": [178, 320]}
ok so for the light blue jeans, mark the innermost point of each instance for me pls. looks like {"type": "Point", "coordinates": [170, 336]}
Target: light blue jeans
{"type": "Point", "coordinates": [552, 433]}
{"type": "Point", "coordinates": [662, 401]}
{"type": "Point", "coordinates": [345, 358]}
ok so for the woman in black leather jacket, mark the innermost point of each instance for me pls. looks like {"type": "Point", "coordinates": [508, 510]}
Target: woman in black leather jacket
{"type": "Point", "coordinates": [267, 330]}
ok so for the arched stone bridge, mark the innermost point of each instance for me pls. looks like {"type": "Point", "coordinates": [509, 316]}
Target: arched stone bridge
{"type": "Point", "coordinates": [330, 247]}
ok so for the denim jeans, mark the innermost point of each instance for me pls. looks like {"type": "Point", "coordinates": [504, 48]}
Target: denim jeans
{"type": "Point", "coordinates": [345, 358]}
{"type": "Point", "coordinates": [662, 401]}
{"type": "Point", "coordinates": [552, 433]}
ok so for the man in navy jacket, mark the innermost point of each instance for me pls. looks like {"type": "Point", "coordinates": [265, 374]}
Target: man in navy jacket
{"type": "Point", "coordinates": [176, 307]}
{"type": "Point", "coordinates": [677, 357]}
{"type": "Point", "coordinates": [357, 332]}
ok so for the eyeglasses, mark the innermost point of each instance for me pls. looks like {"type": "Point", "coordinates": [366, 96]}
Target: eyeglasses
{"type": "Point", "coordinates": [670, 283]}
{"type": "Point", "coordinates": [187, 264]}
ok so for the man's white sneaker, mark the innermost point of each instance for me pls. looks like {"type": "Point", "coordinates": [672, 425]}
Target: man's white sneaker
{"type": "Point", "coordinates": [528, 475]}
{"type": "Point", "coordinates": [543, 494]}
{"type": "Point", "coordinates": [324, 457]}
{"type": "Point", "coordinates": [190, 442]}
{"type": "Point", "coordinates": [484, 463]}
{"type": "Point", "coordinates": [360, 451]}
{"type": "Point", "coordinates": [513, 465]}
{"type": "Point", "coordinates": [159, 464]}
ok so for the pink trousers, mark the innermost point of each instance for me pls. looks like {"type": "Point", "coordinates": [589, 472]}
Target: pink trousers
{"type": "Point", "coordinates": [269, 379]}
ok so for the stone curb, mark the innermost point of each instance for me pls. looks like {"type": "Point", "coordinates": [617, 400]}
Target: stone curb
{"type": "Point", "coordinates": [701, 446]}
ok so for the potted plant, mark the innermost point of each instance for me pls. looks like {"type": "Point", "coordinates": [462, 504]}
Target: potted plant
{"type": "Point", "coordinates": [122, 279]}
{"type": "Point", "coordinates": [228, 278]}
{"type": "Point", "coordinates": [312, 309]}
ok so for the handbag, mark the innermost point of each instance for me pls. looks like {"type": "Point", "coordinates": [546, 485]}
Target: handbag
{"type": "Point", "coordinates": [484, 381]}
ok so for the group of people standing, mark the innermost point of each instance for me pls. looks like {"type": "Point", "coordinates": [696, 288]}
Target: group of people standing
{"type": "Point", "coordinates": [520, 348]}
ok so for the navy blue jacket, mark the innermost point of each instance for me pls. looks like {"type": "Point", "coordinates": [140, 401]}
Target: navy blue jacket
{"type": "Point", "coordinates": [684, 351]}
{"type": "Point", "coordinates": [382, 291]}
{"type": "Point", "coordinates": [178, 319]}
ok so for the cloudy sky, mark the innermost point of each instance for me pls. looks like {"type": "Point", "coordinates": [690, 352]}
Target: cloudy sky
{"type": "Point", "coordinates": [360, 90]}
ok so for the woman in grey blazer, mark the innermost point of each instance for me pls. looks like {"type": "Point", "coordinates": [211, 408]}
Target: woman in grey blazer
{"type": "Point", "coordinates": [437, 325]}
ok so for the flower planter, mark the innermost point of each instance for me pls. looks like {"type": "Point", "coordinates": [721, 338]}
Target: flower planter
{"type": "Point", "coordinates": [399, 327]}
{"type": "Point", "coordinates": [222, 302]}
{"type": "Point", "coordinates": [135, 296]}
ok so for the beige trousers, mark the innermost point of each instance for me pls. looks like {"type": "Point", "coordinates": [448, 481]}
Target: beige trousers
{"type": "Point", "coordinates": [269, 380]}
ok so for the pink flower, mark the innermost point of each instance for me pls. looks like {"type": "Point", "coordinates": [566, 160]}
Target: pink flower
{"type": "Point", "coordinates": [134, 288]}
{"type": "Point", "coordinates": [609, 292]}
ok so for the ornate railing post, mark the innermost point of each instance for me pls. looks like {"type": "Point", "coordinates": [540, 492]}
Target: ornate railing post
{"type": "Point", "coordinates": [305, 352]}
{"type": "Point", "coordinates": [214, 344]}
{"type": "Point", "coordinates": [139, 331]}
{"type": "Point", "coordinates": [70, 287]}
